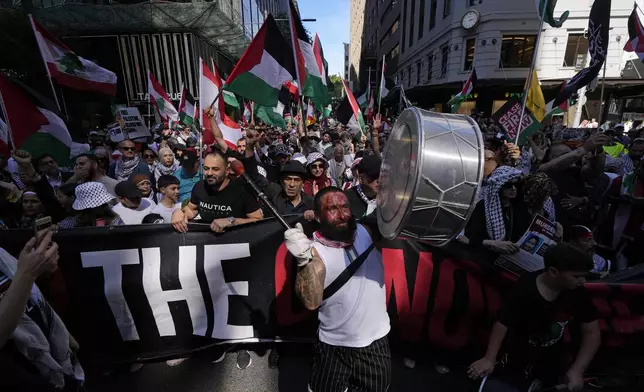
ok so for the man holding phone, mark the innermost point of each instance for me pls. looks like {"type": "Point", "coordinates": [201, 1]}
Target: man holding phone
{"type": "Point", "coordinates": [36, 350]}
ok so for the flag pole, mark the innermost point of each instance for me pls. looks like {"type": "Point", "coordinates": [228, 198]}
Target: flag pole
{"type": "Point", "coordinates": [382, 77]}
{"type": "Point", "coordinates": [601, 94]}
{"type": "Point", "coordinates": [51, 83]}
{"type": "Point", "coordinates": [534, 62]}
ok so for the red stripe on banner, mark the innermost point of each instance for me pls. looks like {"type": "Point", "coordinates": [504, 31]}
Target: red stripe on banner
{"type": "Point", "coordinates": [284, 290]}
{"type": "Point", "coordinates": [79, 83]}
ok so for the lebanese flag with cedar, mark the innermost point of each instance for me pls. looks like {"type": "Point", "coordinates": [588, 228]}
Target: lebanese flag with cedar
{"type": "Point", "coordinates": [70, 70]}
{"type": "Point", "coordinates": [209, 85]}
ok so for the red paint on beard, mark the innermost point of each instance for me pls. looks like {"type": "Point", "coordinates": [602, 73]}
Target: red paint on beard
{"type": "Point", "coordinates": [335, 208]}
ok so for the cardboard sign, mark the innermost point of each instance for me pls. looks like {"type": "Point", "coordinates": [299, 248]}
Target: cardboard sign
{"type": "Point", "coordinates": [508, 117]}
{"type": "Point", "coordinates": [132, 123]}
{"type": "Point", "coordinates": [115, 132]}
{"type": "Point", "coordinates": [532, 246]}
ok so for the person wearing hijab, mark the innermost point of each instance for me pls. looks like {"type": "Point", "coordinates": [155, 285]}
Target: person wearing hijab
{"type": "Point", "coordinates": [317, 166]}
{"type": "Point", "coordinates": [150, 157]}
{"type": "Point", "coordinates": [167, 165]}
{"type": "Point", "coordinates": [145, 186]}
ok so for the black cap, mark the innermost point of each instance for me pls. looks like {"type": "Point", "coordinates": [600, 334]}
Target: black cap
{"type": "Point", "coordinates": [294, 168]}
{"type": "Point", "coordinates": [188, 158]}
{"type": "Point", "coordinates": [370, 165]}
{"type": "Point", "coordinates": [127, 190]}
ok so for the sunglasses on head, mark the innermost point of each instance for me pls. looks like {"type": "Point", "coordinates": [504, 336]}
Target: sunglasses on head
{"type": "Point", "coordinates": [129, 148]}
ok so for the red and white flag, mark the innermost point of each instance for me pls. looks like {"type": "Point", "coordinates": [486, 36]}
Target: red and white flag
{"type": "Point", "coordinates": [209, 85]}
{"type": "Point", "coordinates": [70, 70]}
{"type": "Point", "coordinates": [159, 99]}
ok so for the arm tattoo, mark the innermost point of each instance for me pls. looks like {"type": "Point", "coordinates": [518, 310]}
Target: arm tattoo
{"type": "Point", "coordinates": [309, 283]}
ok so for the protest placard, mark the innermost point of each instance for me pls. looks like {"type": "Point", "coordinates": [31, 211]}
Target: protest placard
{"type": "Point", "coordinates": [532, 246]}
{"type": "Point", "coordinates": [132, 123]}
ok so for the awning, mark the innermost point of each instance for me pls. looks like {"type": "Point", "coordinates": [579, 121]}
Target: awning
{"type": "Point", "coordinates": [216, 22]}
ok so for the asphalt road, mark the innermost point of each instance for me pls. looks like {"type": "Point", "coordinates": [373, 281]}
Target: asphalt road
{"type": "Point", "coordinates": [199, 374]}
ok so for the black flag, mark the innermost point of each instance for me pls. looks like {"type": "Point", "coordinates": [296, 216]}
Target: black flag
{"type": "Point", "coordinates": [598, 28]}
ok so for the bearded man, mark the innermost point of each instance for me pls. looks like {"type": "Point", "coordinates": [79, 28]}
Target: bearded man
{"type": "Point", "coordinates": [341, 274]}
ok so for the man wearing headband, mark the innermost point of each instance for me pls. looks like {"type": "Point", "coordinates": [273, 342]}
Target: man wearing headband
{"type": "Point", "coordinates": [582, 237]}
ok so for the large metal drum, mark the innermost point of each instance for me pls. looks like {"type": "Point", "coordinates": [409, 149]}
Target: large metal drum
{"type": "Point", "coordinates": [431, 171]}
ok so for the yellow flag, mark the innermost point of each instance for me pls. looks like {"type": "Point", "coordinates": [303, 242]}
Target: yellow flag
{"type": "Point", "coordinates": [535, 102]}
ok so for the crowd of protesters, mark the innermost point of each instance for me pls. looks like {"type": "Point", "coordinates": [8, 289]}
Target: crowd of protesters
{"type": "Point", "coordinates": [590, 183]}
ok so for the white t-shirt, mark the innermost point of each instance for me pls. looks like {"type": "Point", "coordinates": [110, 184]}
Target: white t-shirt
{"type": "Point", "coordinates": [165, 212]}
{"type": "Point", "coordinates": [356, 315]}
{"type": "Point", "coordinates": [134, 217]}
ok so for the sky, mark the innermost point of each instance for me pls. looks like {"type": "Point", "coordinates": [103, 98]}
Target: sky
{"type": "Point", "coordinates": [332, 26]}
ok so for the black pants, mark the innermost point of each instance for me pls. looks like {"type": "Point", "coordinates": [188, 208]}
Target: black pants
{"type": "Point", "coordinates": [340, 369]}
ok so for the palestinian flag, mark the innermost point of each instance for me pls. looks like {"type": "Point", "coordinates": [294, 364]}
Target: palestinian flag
{"type": "Point", "coordinates": [248, 113]}
{"type": "Point", "coordinates": [467, 89]}
{"type": "Point", "coordinates": [635, 35]}
{"type": "Point", "coordinates": [326, 112]}
{"type": "Point", "coordinates": [363, 100]}
{"type": "Point", "coordinates": [310, 114]}
{"type": "Point", "coordinates": [311, 74]}
{"type": "Point", "coordinates": [187, 108]}
{"type": "Point", "coordinates": [549, 98]}
{"type": "Point", "coordinates": [274, 115]}
{"type": "Point", "coordinates": [293, 88]}
{"type": "Point", "coordinates": [159, 99]}
{"type": "Point", "coordinates": [383, 83]}
{"type": "Point", "coordinates": [209, 85]}
{"type": "Point", "coordinates": [322, 97]}
{"type": "Point", "coordinates": [370, 108]}
{"type": "Point", "coordinates": [547, 13]}
{"type": "Point", "coordinates": [70, 70]}
{"type": "Point", "coordinates": [348, 112]}
{"type": "Point", "coordinates": [264, 68]}
{"type": "Point", "coordinates": [34, 128]}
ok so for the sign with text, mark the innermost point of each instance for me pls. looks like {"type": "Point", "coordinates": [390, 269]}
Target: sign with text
{"type": "Point", "coordinates": [532, 246]}
{"type": "Point", "coordinates": [508, 117]}
{"type": "Point", "coordinates": [146, 292]}
{"type": "Point", "coordinates": [132, 123]}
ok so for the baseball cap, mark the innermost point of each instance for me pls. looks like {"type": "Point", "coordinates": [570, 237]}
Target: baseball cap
{"type": "Point", "coordinates": [127, 189]}
{"type": "Point", "coordinates": [281, 149]}
{"type": "Point", "coordinates": [188, 158]}
{"type": "Point", "coordinates": [370, 165]}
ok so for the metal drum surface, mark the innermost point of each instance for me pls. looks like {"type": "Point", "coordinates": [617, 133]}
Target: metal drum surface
{"type": "Point", "coordinates": [431, 170]}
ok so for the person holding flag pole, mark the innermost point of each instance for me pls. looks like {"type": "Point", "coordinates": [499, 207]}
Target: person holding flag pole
{"type": "Point", "coordinates": [531, 71]}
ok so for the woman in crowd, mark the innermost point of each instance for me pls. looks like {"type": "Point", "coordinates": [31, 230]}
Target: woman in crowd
{"type": "Point", "coordinates": [316, 165]}
{"type": "Point", "coordinates": [103, 158]}
{"type": "Point", "coordinates": [150, 157]}
{"type": "Point", "coordinates": [167, 165]}
{"type": "Point", "coordinates": [495, 223]}
{"type": "Point", "coordinates": [93, 203]}
{"type": "Point", "coordinates": [537, 189]}
{"type": "Point", "coordinates": [145, 186]}
{"type": "Point", "coordinates": [32, 209]}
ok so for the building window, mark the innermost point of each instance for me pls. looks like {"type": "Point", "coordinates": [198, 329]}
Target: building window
{"type": "Point", "coordinates": [517, 50]}
{"type": "Point", "coordinates": [444, 58]}
{"type": "Point", "coordinates": [430, 66]}
{"type": "Point", "coordinates": [404, 15]}
{"type": "Point", "coordinates": [470, 48]}
{"type": "Point", "coordinates": [421, 19]}
{"type": "Point", "coordinates": [390, 32]}
{"type": "Point", "coordinates": [411, 22]}
{"type": "Point", "coordinates": [432, 13]}
{"type": "Point", "coordinates": [409, 76]}
{"type": "Point", "coordinates": [447, 8]}
{"type": "Point", "coordinates": [418, 66]}
{"type": "Point", "coordinates": [576, 51]}
{"type": "Point", "coordinates": [392, 53]}
{"type": "Point", "coordinates": [386, 11]}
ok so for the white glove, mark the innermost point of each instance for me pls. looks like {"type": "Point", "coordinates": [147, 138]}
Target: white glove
{"type": "Point", "coordinates": [299, 245]}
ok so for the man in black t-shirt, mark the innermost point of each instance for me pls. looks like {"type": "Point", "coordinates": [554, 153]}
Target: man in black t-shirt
{"type": "Point", "coordinates": [531, 324]}
{"type": "Point", "coordinates": [218, 200]}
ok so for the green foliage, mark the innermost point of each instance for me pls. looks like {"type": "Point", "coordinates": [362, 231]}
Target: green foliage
{"type": "Point", "coordinates": [336, 80]}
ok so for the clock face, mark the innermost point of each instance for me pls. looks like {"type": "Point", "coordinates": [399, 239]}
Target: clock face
{"type": "Point", "coordinates": [470, 19]}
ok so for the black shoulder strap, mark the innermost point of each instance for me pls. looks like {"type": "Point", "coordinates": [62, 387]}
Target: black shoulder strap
{"type": "Point", "coordinates": [344, 277]}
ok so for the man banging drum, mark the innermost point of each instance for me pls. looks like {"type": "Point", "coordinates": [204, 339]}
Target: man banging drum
{"type": "Point", "coordinates": [342, 275]}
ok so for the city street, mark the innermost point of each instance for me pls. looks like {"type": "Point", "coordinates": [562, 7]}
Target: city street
{"type": "Point", "coordinates": [200, 375]}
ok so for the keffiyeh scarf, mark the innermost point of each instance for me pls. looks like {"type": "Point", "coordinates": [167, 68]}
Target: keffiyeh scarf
{"type": "Point", "coordinates": [50, 353]}
{"type": "Point", "coordinates": [492, 200]}
{"type": "Point", "coordinates": [163, 170]}
{"type": "Point", "coordinates": [124, 169]}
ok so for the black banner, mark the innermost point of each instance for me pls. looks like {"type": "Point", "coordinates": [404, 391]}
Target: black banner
{"type": "Point", "coordinates": [146, 292]}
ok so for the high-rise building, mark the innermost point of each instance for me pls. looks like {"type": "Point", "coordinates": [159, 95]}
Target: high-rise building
{"type": "Point", "coordinates": [442, 40]}
{"type": "Point", "coordinates": [375, 33]}
{"type": "Point", "coordinates": [346, 61]}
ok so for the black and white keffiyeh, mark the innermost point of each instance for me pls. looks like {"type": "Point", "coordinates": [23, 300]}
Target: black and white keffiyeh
{"type": "Point", "coordinates": [124, 169]}
{"type": "Point", "coordinates": [492, 201]}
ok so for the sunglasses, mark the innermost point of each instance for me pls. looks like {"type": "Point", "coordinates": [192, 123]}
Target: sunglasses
{"type": "Point", "coordinates": [148, 156]}
{"type": "Point", "coordinates": [129, 149]}
{"type": "Point", "coordinates": [317, 166]}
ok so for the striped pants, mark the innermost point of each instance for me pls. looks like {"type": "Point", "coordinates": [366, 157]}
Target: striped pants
{"type": "Point", "coordinates": [346, 369]}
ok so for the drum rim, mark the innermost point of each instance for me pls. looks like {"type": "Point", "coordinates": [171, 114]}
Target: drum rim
{"type": "Point", "coordinates": [416, 116]}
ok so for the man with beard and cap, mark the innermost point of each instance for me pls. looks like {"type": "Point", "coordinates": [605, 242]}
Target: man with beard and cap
{"type": "Point", "coordinates": [188, 174]}
{"type": "Point", "coordinates": [217, 199]}
{"type": "Point", "coordinates": [582, 237]}
{"type": "Point", "coordinates": [352, 351]}
{"type": "Point", "coordinates": [47, 166]}
{"type": "Point", "coordinates": [363, 196]}
{"type": "Point", "coordinates": [132, 207]}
